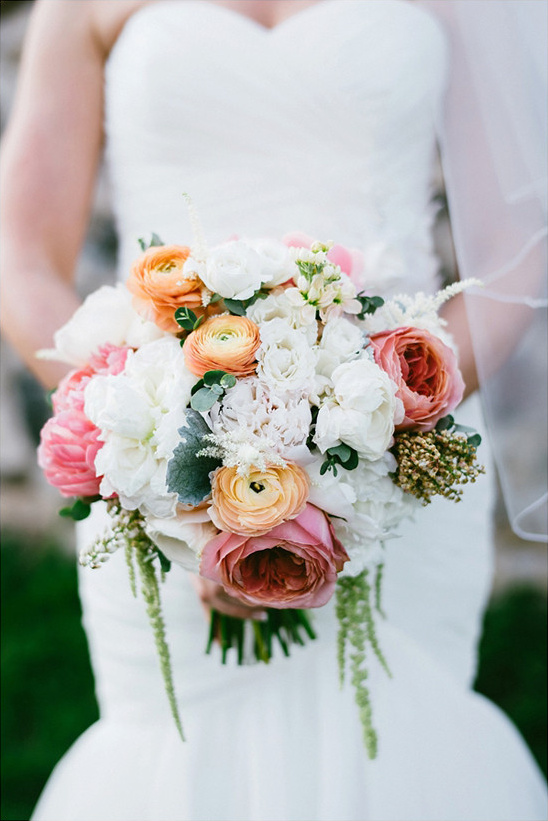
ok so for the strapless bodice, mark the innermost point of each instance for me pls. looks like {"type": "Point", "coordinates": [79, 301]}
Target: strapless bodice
{"type": "Point", "coordinates": [324, 124]}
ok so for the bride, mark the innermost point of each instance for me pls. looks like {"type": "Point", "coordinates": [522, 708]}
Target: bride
{"type": "Point", "coordinates": [279, 116]}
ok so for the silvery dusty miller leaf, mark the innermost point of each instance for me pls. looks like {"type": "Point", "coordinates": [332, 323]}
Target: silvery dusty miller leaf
{"type": "Point", "coordinates": [188, 474]}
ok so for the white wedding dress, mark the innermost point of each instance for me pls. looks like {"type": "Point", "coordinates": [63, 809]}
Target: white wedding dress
{"type": "Point", "coordinates": [322, 125]}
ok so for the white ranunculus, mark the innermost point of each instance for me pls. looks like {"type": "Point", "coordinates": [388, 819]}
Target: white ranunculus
{"type": "Point", "coordinates": [182, 537]}
{"type": "Point", "coordinates": [233, 270]}
{"type": "Point", "coordinates": [277, 264]}
{"type": "Point", "coordinates": [362, 410]}
{"type": "Point", "coordinates": [106, 315]}
{"type": "Point", "coordinates": [277, 306]}
{"type": "Point", "coordinates": [139, 412]}
{"type": "Point", "coordinates": [286, 362]}
{"type": "Point", "coordinates": [282, 421]}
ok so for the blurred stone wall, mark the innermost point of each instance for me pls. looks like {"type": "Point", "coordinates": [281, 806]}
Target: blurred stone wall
{"type": "Point", "coordinates": [22, 403]}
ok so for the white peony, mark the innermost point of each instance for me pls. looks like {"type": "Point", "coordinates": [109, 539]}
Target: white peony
{"type": "Point", "coordinates": [233, 270]}
{"type": "Point", "coordinates": [277, 306]}
{"type": "Point", "coordinates": [139, 412]}
{"type": "Point", "coordinates": [379, 508]}
{"type": "Point", "coordinates": [106, 315]}
{"type": "Point", "coordinates": [182, 537]}
{"type": "Point", "coordinates": [282, 422]}
{"type": "Point", "coordinates": [361, 411]}
{"type": "Point", "coordinates": [286, 362]}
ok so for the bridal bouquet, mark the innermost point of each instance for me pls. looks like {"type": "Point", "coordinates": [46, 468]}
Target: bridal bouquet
{"type": "Point", "coordinates": [253, 413]}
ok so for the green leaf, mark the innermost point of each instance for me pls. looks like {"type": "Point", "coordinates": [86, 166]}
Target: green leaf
{"type": "Point", "coordinates": [213, 377]}
{"type": "Point", "coordinates": [165, 563]}
{"type": "Point", "coordinates": [342, 451]}
{"type": "Point", "coordinates": [235, 306]}
{"type": "Point", "coordinates": [215, 298]}
{"type": "Point", "coordinates": [195, 388]}
{"type": "Point", "coordinates": [474, 440]}
{"type": "Point", "coordinates": [198, 323]}
{"type": "Point", "coordinates": [154, 242]}
{"type": "Point", "coordinates": [78, 511]}
{"type": "Point", "coordinates": [445, 423]}
{"type": "Point", "coordinates": [203, 400]}
{"type": "Point", "coordinates": [185, 318]}
{"type": "Point", "coordinates": [228, 381]}
{"type": "Point", "coordinates": [187, 473]}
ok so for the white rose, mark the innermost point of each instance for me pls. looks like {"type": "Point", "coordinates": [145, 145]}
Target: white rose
{"type": "Point", "coordinates": [182, 538]}
{"type": "Point", "coordinates": [286, 362]}
{"type": "Point", "coordinates": [233, 270]}
{"type": "Point", "coordinates": [106, 315]}
{"type": "Point", "coordinates": [361, 412]}
{"type": "Point", "coordinates": [277, 265]}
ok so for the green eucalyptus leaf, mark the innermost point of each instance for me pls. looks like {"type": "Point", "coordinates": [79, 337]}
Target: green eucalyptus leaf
{"type": "Point", "coordinates": [217, 389]}
{"type": "Point", "coordinates": [474, 440]}
{"type": "Point", "coordinates": [187, 473]}
{"type": "Point", "coordinates": [155, 240]}
{"type": "Point", "coordinates": [445, 422]}
{"type": "Point", "coordinates": [228, 381]}
{"type": "Point", "coordinates": [142, 244]}
{"type": "Point", "coordinates": [203, 400]}
{"type": "Point", "coordinates": [185, 318]}
{"type": "Point", "coordinates": [198, 323]}
{"type": "Point", "coordinates": [215, 298]}
{"type": "Point", "coordinates": [342, 451]}
{"type": "Point", "coordinates": [195, 388]}
{"type": "Point", "coordinates": [213, 377]}
{"type": "Point", "coordinates": [235, 306]}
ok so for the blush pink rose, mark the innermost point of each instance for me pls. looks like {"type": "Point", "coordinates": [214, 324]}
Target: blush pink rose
{"type": "Point", "coordinates": [349, 260]}
{"type": "Point", "coordinates": [293, 565]}
{"type": "Point", "coordinates": [426, 371]}
{"type": "Point", "coordinates": [69, 443]}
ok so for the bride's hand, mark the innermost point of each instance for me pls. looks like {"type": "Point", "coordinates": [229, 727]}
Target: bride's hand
{"type": "Point", "coordinates": [213, 597]}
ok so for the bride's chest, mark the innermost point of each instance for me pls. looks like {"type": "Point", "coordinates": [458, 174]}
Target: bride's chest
{"type": "Point", "coordinates": [331, 70]}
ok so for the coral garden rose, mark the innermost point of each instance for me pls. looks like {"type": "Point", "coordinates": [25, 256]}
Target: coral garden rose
{"type": "Point", "coordinates": [159, 285]}
{"type": "Point", "coordinates": [224, 342]}
{"type": "Point", "coordinates": [294, 565]}
{"type": "Point", "coordinates": [255, 503]}
{"type": "Point", "coordinates": [426, 372]}
{"type": "Point", "coordinates": [68, 447]}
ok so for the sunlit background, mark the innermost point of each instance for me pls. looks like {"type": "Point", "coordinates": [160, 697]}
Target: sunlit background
{"type": "Point", "coordinates": [47, 687]}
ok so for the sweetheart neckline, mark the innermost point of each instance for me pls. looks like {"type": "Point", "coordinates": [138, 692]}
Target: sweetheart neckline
{"type": "Point", "coordinates": [253, 25]}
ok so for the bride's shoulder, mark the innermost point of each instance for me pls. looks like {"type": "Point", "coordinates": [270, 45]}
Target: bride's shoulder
{"type": "Point", "coordinates": [107, 19]}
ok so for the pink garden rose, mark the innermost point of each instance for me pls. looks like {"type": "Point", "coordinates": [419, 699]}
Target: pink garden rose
{"type": "Point", "coordinates": [426, 371]}
{"type": "Point", "coordinates": [67, 451]}
{"type": "Point", "coordinates": [293, 565]}
{"type": "Point", "coordinates": [69, 442]}
{"type": "Point", "coordinates": [109, 359]}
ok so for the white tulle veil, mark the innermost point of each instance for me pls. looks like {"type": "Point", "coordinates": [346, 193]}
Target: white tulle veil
{"type": "Point", "coordinates": [493, 146]}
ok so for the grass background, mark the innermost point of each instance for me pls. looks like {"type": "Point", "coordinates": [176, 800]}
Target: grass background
{"type": "Point", "coordinates": [47, 694]}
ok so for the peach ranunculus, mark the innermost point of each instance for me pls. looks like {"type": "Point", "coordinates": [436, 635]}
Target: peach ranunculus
{"type": "Point", "coordinates": [225, 342]}
{"type": "Point", "coordinates": [253, 504]}
{"type": "Point", "coordinates": [294, 565]}
{"type": "Point", "coordinates": [425, 370]}
{"type": "Point", "coordinates": [159, 286]}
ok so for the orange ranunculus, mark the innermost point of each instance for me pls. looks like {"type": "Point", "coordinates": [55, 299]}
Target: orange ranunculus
{"type": "Point", "coordinates": [252, 505]}
{"type": "Point", "coordinates": [159, 287]}
{"type": "Point", "coordinates": [227, 343]}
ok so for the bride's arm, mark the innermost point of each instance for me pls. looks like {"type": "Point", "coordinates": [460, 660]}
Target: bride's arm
{"type": "Point", "coordinates": [49, 159]}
